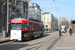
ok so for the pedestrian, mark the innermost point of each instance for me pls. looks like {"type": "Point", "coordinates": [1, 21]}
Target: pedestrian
{"type": "Point", "coordinates": [70, 31]}
{"type": "Point", "coordinates": [59, 32]}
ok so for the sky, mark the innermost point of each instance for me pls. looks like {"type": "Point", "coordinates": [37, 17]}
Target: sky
{"type": "Point", "coordinates": [59, 8]}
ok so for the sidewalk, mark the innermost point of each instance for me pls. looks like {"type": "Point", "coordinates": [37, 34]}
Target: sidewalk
{"type": "Point", "coordinates": [4, 39]}
{"type": "Point", "coordinates": [49, 31]}
{"type": "Point", "coordinates": [66, 42]}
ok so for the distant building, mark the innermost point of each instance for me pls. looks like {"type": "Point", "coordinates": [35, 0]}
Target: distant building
{"type": "Point", "coordinates": [73, 25]}
{"type": "Point", "coordinates": [34, 11]}
{"type": "Point", "coordinates": [48, 20]}
{"type": "Point", "coordinates": [61, 22]}
{"type": "Point", "coordinates": [55, 23]}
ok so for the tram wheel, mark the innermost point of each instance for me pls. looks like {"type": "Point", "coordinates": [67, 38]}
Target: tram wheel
{"type": "Point", "coordinates": [41, 34]}
{"type": "Point", "coordinates": [28, 39]}
{"type": "Point", "coordinates": [14, 40]}
{"type": "Point", "coordinates": [22, 40]}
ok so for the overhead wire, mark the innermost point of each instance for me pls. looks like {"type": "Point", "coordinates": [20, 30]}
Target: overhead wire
{"type": "Point", "coordinates": [57, 7]}
{"type": "Point", "coordinates": [65, 3]}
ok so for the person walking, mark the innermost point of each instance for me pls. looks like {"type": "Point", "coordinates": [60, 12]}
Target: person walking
{"type": "Point", "coordinates": [70, 31]}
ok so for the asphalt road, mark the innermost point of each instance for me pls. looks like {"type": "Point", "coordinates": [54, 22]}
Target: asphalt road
{"type": "Point", "coordinates": [46, 42]}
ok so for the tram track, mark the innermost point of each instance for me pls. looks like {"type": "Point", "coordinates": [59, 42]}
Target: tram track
{"type": "Point", "coordinates": [40, 44]}
{"type": "Point", "coordinates": [51, 42]}
{"type": "Point", "coordinates": [48, 42]}
{"type": "Point", "coordinates": [31, 43]}
{"type": "Point", "coordinates": [42, 41]}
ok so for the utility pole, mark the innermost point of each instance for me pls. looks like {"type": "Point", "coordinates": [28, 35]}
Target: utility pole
{"type": "Point", "coordinates": [7, 14]}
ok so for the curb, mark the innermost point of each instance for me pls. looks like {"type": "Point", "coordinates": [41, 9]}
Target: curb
{"type": "Point", "coordinates": [5, 40]}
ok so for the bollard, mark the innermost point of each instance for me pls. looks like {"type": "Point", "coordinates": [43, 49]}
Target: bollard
{"type": "Point", "coordinates": [4, 33]}
{"type": "Point", "coordinates": [59, 32]}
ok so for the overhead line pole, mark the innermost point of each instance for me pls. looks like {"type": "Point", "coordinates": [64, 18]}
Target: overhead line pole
{"type": "Point", "coordinates": [7, 14]}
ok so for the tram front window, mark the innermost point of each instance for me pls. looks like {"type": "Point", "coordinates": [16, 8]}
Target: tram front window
{"type": "Point", "coordinates": [17, 26]}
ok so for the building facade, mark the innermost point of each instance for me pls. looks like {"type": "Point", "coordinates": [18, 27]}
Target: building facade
{"type": "Point", "coordinates": [3, 14]}
{"type": "Point", "coordinates": [34, 11]}
{"type": "Point", "coordinates": [61, 22]}
{"type": "Point", "coordinates": [73, 25]}
{"type": "Point", "coordinates": [55, 23]}
{"type": "Point", "coordinates": [48, 20]}
{"type": "Point", "coordinates": [22, 9]}
{"type": "Point", "coordinates": [17, 8]}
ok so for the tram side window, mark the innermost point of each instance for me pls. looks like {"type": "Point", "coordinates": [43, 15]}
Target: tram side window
{"type": "Point", "coordinates": [33, 27]}
{"type": "Point", "coordinates": [41, 26]}
{"type": "Point", "coordinates": [38, 26]}
{"type": "Point", "coordinates": [25, 26]}
{"type": "Point", "coordinates": [30, 26]}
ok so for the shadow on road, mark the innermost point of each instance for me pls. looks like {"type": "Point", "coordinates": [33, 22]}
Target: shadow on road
{"type": "Point", "coordinates": [45, 35]}
{"type": "Point", "coordinates": [54, 42]}
{"type": "Point", "coordinates": [12, 46]}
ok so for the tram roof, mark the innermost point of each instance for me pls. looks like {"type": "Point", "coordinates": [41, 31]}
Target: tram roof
{"type": "Point", "coordinates": [27, 20]}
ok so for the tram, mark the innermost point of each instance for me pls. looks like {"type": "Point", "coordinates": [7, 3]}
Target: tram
{"type": "Point", "coordinates": [23, 29]}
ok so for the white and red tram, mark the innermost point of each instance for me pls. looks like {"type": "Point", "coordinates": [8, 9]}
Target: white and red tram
{"type": "Point", "coordinates": [23, 29]}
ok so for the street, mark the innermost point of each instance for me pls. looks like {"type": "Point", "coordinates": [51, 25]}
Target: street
{"type": "Point", "coordinates": [37, 25]}
{"type": "Point", "coordinates": [46, 42]}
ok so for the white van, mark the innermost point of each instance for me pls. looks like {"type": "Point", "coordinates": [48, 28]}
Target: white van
{"type": "Point", "coordinates": [63, 29]}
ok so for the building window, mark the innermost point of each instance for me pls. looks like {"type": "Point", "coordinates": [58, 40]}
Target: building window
{"type": "Point", "coordinates": [10, 1]}
{"type": "Point", "coordinates": [32, 12]}
{"type": "Point", "coordinates": [29, 13]}
{"type": "Point", "coordinates": [30, 16]}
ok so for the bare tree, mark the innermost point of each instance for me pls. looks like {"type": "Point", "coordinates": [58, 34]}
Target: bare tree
{"type": "Point", "coordinates": [67, 24]}
{"type": "Point", "coordinates": [70, 24]}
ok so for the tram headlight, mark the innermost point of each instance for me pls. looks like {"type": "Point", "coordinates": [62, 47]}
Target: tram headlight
{"type": "Point", "coordinates": [17, 35]}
